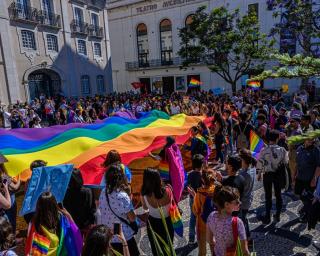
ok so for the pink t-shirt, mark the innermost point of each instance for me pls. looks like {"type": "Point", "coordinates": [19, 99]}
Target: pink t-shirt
{"type": "Point", "coordinates": [221, 228]}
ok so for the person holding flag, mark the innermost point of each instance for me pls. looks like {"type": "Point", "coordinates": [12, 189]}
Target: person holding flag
{"type": "Point", "coordinates": [271, 159]}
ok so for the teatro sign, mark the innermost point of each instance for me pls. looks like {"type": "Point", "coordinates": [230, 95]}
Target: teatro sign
{"type": "Point", "coordinates": [162, 5]}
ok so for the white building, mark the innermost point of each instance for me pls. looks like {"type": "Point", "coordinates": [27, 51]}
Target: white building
{"type": "Point", "coordinates": [144, 42]}
{"type": "Point", "coordinates": [51, 47]}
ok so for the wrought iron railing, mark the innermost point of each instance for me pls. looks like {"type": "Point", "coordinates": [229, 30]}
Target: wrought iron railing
{"type": "Point", "coordinates": [49, 19]}
{"type": "Point", "coordinates": [79, 27]}
{"type": "Point", "coordinates": [95, 31]}
{"type": "Point", "coordinates": [23, 13]}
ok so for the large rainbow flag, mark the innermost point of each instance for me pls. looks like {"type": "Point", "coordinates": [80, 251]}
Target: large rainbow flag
{"type": "Point", "coordinates": [254, 85]}
{"type": "Point", "coordinates": [85, 145]}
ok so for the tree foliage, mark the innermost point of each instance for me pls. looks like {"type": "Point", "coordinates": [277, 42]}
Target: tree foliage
{"type": "Point", "coordinates": [300, 18]}
{"type": "Point", "coordinates": [297, 66]}
{"type": "Point", "coordinates": [229, 44]}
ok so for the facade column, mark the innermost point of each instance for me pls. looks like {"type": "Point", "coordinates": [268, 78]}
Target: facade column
{"type": "Point", "coordinates": [108, 69]}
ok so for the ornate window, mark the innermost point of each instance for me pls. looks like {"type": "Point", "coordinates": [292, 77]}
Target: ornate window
{"type": "Point", "coordinates": [166, 41]}
{"type": "Point", "coordinates": [143, 45]}
{"type": "Point", "coordinates": [85, 84]}
{"type": "Point", "coordinates": [52, 43]}
{"type": "Point", "coordinates": [100, 84]}
{"type": "Point", "coordinates": [28, 40]}
{"type": "Point", "coordinates": [97, 49]}
{"type": "Point", "coordinates": [82, 48]}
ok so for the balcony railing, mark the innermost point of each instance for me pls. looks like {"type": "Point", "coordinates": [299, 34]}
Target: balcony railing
{"type": "Point", "coordinates": [143, 59]}
{"type": "Point", "coordinates": [49, 19]}
{"type": "Point", "coordinates": [158, 63]}
{"type": "Point", "coordinates": [79, 27]}
{"type": "Point", "coordinates": [20, 12]}
{"type": "Point", "coordinates": [95, 31]}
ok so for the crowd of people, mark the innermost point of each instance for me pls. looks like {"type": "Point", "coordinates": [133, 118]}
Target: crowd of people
{"type": "Point", "coordinates": [220, 189]}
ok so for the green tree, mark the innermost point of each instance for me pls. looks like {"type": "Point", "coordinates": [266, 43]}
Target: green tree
{"type": "Point", "coordinates": [300, 19]}
{"type": "Point", "coordinates": [229, 44]}
{"type": "Point", "coordinates": [297, 66]}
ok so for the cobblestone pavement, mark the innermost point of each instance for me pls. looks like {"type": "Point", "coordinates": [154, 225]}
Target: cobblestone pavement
{"type": "Point", "coordinates": [288, 237]}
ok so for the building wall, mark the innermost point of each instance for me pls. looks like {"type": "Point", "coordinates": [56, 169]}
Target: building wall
{"type": "Point", "coordinates": [124, 17]}
{"type": "Point", "coordinates": [66, 62]}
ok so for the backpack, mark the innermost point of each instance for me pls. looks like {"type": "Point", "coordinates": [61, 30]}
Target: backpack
{"type": "Point", "coordinates": [208, 207]}
{"type": "Point", "coordinates": [242, 141]}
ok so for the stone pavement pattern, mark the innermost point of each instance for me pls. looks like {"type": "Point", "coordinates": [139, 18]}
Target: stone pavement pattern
{"type": "Point", "coordinates": [288, 237]}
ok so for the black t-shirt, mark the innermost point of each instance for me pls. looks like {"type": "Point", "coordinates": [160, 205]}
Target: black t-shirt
{"type": "Point", "coordinates": [194, 180]}
{"type": "Point", "coordinates": [243, 127]}
{"type": "Point", "coordinates": [235, 182]}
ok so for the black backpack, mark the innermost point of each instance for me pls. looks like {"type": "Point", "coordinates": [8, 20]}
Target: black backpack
{"type": "Point", "coordinates": [208, 207]}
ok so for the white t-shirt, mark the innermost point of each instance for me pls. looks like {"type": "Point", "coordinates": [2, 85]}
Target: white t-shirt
{"type": "Point", "coordinates": [121, 204]}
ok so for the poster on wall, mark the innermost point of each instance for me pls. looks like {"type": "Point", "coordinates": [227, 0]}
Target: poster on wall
{"type": "Point", "coordinates": [156, 83]}
{"type": "Point", "coordinates": [180, 83]}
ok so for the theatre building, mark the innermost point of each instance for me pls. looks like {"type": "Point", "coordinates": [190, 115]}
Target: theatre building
{"type": "Point", "coordinates": [144, 41]}
{"type": "Point", "coordinates": [50, 47]}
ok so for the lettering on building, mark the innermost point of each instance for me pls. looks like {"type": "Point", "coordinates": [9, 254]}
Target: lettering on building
{"type": "Point", "coordinates": [147, 8]}
{"type": "Point", "coordinates": [171, 3]}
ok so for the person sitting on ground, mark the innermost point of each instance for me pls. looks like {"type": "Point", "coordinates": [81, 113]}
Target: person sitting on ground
{"type": "Point", "coordinates": [98, 242]}
{"type": "Point", "coordinates": [221, 225]}
{"type": "Point", "coordinates": [7, 238]}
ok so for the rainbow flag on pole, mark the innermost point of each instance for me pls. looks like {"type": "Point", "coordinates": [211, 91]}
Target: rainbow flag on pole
{"type": "Point", "coordinates": [254, 85]}
{"type": "Point", "coordinates": [194, 83]}
{"type": "Point", "coordinates": [256, 144]}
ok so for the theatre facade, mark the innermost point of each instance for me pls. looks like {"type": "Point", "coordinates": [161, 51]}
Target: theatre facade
{"type": "Point", "coordinates": [144, 42]}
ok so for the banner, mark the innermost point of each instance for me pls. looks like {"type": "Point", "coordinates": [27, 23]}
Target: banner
{"type": "Point", "coordinates": [47, 178]}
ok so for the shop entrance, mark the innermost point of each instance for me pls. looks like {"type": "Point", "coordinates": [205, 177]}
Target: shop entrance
{"type": "Point", "coordinates": [168, 84]}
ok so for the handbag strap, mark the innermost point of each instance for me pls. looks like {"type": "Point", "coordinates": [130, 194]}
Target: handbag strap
{"type": "Point", "coordinates": [235, 231]}
{"type": "Point", "coordinates": [120, 218]}
{"type": "Point", "coordinates": [173, 201]}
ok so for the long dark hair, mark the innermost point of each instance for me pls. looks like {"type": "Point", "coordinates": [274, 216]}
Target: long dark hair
{"type": "Point", "coordinates": [97, 241]}
{"type": "Point", "coordinates": [152, 184]}
{"type": "Point", "coordinates": [47, 212]}
{"type": "Point", "coordinates": [116, 179]}
{"type": "Point", "coordinates": [113, 157]}
{"type": "Point", "coordinates": [6, 234]}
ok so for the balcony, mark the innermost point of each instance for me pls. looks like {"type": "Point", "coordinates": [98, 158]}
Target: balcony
{"type": "Point", "coordinates": [79, 27]}
{"type": "Point", "coordinates": [22, 13]}
{"type": "Point", "coordinates": [95, 31]}
{"type": "Point", "coordinates": [144, 63]}
{"type": "Point", "coordinates": [49, 19]}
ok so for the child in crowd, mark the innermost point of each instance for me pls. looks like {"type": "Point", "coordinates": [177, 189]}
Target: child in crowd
{"type": "Point", "coordinates": [202, 207]}
{"type": "Point", "coordinates": [221, 225]}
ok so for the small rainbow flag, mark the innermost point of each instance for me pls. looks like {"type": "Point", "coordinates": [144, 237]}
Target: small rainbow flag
{"type": "Point", "coordinates": [256, 144]}
{"type": "Point", "coordinates": [255, 85]}
{"type": "Point", "coordinates": [164, 170]}
{"type": "Point", "coordinates": [176, 220]}
{"type": "Point", "coordinates": [194, 83]}
{"type": "Point", "coordinates": [40, 245]}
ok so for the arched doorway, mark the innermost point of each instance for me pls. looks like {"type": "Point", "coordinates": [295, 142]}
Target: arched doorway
{"type": "Point", "coordinates": [44, 82]}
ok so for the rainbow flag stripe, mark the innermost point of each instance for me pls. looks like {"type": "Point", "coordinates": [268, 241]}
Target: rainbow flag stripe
{"type": "Point", "coordinates": [254, 85]}
{"type": "Point", "coordinates": [40, 245]}
{"type": "Point", "coordinates": [194, 83]}
{"type": "Point", "coordinates": [164, 170]}
{"type": "Point", "coordinates": [256, 144]}
{"type": "Point", "coordinates": [86, 145]}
